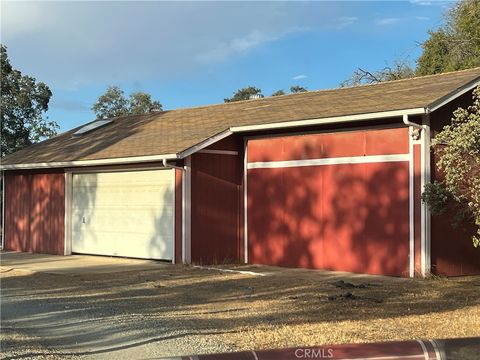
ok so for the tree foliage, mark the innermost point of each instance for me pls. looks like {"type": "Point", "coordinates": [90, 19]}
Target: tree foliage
{"type": "Point", "coordinates": [141, 103]}
{"type": "Point", "coordinates": [279, 92]}
{"type": "Point", "coordinates": [23, 104]}
{"type": "Point", "coordinates": [456, 44]}
{"type": "Point", "coordinates": [297, 89]}
{"type": "Point", "coordinates": [114, 103]}
{"type": "Point", "coordinates": [458, 147]}
{"type": "Point", "coordinates": [244, 94]}
{"type": "Point", "coordinates": [111, 104]}
{"type": "Point", "coordinates": [293, 89]}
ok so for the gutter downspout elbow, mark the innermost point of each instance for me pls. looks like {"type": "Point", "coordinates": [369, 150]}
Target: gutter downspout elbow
{"type": "Point", "coordinates": [409, 123]}
{"type": "Point", "coordinates": [167, 165]}
{"type": "Point", "coordinates": [417, 128]}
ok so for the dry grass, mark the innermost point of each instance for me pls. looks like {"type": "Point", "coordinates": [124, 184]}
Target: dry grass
{"type": "Point", "coordinates": [287, 308]}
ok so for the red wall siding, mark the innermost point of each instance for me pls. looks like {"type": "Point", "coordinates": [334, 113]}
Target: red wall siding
{"type": "Point", "coordinates": [452, 251]}
{"type": "Point", "coordinates": [35, 211]}
{"type": "Point", "coordinates": [417, 217]}
{"type": "Point", "coordinates": [17, 212]}
{"type": "Point", "coordinates": [216, 205]}
{"type": "Point", "coordinates": [340, 144]}
{"type": "Point", "coordinates": [352, 217]}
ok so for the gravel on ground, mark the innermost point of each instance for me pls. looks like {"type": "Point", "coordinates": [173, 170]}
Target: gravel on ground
{"type": "Point", "coordinates": [180, 310]}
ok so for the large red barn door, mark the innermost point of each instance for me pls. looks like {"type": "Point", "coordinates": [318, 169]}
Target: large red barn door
{"type": "Point", "coordinates": [337, 201]}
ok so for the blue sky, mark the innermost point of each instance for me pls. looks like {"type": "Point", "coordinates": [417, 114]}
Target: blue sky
{"type": "Point", "coordinates": [195, 53]}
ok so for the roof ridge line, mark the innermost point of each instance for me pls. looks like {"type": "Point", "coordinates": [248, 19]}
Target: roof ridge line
{"type": "Point", "coordinates": [319, 90]}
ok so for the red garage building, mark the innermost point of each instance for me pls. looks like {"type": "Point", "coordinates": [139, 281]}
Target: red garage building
{"type": "Point", "coordinates": [325, 179]}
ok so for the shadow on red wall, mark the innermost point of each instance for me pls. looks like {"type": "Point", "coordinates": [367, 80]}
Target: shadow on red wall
{"type": "Point", "coordinates": [351, 217]}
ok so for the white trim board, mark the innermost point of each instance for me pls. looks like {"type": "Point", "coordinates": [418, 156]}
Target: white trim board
{"type": "Point", "coordinates": [174, 217]}
{"type": "Point", "coordinates": [187, 211]}
{"type": "Point", "coordinates": [3, 210]}
{"type": "Point", "coordinates": [411, 207]}
{"type": "Point", "coordinates": [67, 250]}
{"type": "Point", "coordinates": [218, 152]}
{"type": "Point", "coordinates": [75, 163]}
{"type": "Point", "coordinates": [245, 202]}
{"type": "Point", "coordinates": [330, 120]}
{"type": "Point", "coordinates": [329, 161]}
{"type": "Point", "coordinates": [425, 211]}
{"type": "Point", "coordinates": [205, 143]}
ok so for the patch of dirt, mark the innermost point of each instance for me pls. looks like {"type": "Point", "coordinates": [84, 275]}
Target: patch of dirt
{"type": "Point", "coordinates": [17, 345]}
{"type": "Point", "coordinates": [286, 308]}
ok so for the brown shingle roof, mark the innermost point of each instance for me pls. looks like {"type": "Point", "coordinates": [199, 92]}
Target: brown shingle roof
{"type": "Point", "coordinates": [173, 131]}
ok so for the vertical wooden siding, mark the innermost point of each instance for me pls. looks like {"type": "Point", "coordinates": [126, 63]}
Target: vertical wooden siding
{"type": "Point", "coordinates": [417, 201]}
{"type": "Point", "coordinates": [35, 211]}
{"type": "Point", "coordinates": [350, 217]}
{"type": "Point", "coordinates": [216, 206]}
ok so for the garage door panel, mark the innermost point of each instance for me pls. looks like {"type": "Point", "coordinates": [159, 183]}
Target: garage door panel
{"type": "Point", "coordinates": [348, 217]}
{"type": "Point", "coordinates": [266, 188]}
{"type": "Point", "coordinates": [124, 214]}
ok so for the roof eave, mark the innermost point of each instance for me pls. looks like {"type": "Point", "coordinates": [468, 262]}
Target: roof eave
{"type": "Point", "coordinates": [97, 162]}
{"type": "Point", "coordinates": [299, 123]}
{"type": "Point", "coordinates": [453, 95]}
{"type": "Point", "coordinates": [213, 139]}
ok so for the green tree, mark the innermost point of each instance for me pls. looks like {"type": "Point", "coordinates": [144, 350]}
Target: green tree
{"type": "Point", "coordinates": [111, 104]}
{"type": "Point", "coordinates": [297, 89]}
{"type": "Point", "coordinates": [456, 44]}
{"type": "Point", "coordinates": [114, 103]}
{"type": "Point", "coordinates": [141, 103]}
{"type": "Point", "coordinates": [23, 104]}
{"type": "Point", "coordinates": [244, 94]}
{"type": "Point", "coordinates": [458, 148]}
{"type": "Point", "coordinates": [278, 92]}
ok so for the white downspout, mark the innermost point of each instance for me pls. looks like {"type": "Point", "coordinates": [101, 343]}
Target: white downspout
{"type": "Point", "coordinates": [413, 134]}
{"type": "Point", "coordinates": [409, 123]}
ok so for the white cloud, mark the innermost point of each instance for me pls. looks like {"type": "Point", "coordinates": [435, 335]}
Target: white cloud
{"type": "Point", "coordinates": [23, 17]}
{"type": "Point", "coordinates": [235, 46]}
{"type": "Point", "coordinates": [345, 21]}
{"type": "Point", "coordinates": [71, 44]}
{"type": "Point", "coordinates": [422, 18]}
{"type": "Point", "coordinates": [441, 3]}
{"type": "Point", "coordinates": [388, 21]}
{"type": "Point", "coordinates": [421, 2]}
{"type": "Point", "coordinates": [299, 77]}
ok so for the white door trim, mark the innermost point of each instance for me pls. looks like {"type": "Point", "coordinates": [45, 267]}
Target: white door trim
{"type": "Point", "coordinates": [3, 209]}
{"type": "Point", "coordinates": [425, 212]}
{"type": "Point", "coordinates": [187, 211]}
{"type": "Point", "coordinates": [174, 217]}
{"type": "Point", "coordinates": [328, 161]}
{"type": "Point", "coordinates": [411, 205]}
{"type": "Point", "coordinates": [68, 214]}
{"type": "Point", "coordinates": [245, 201]}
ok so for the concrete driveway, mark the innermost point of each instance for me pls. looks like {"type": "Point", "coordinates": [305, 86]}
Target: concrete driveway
{"type": "Point", "coordinates": [75, 264]}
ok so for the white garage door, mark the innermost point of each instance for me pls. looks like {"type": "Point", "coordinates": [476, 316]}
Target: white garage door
{"type": "Point", "coordinates": [127, 214]}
